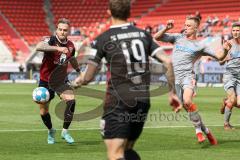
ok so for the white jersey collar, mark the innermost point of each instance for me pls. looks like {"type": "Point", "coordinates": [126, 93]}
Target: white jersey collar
{"type": "Point", "coordinates": [120, 25]}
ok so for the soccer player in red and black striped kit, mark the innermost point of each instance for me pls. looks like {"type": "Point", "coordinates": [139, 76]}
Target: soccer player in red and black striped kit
{"type": "Point", "coordinates": [58, 51]}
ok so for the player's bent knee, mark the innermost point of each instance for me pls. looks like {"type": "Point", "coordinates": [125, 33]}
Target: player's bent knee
{"type": "Point", "coordinates": [67, 95]}
{"type": "Point", "coordinates": [233, 100]}
{"type": "Point", "coordinates": [69, 99]}
{"type": "Point", "coordinates": [229, 104]}
{"type": "Point", "coordinates": [191, 107]}
{"type": "Point", "coordinates": [43, 111]}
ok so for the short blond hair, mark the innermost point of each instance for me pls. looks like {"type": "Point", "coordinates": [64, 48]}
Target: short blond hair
{"type": "Point", "coordinates": [195, 19]}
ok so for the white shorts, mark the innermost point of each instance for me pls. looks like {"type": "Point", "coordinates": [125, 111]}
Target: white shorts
{"type": "Point", "coordinates": [231, 81]}
{"type": "Point", "coordinates": [182, 84]}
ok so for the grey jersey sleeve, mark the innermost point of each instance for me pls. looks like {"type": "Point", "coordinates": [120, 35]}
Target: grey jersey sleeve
{"type": "Point", "coordinates": [208, 51]}
{"type": "Point", "coordinates": [170, 37]}
{"type": "Point", "coordinates": [153, 47]}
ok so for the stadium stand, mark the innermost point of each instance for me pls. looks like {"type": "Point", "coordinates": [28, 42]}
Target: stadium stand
{"type": "Point", "coordinates": [28, 18]}
{"type": "Point", "coordinates": [90, 17]}
{"type": "Point", "coordinates": [179, 9]}
{"type": "Point", "coordinates": [12, 40]}
{"type": "Point", "coordinates": [5, 54]}
{"type": "Point", "coordinates": [7, 39]}
{"type": "Point", "coordinates": [89, 14]}
{"type": "Point", "coordinates": [85, 14]}
{"type": "Point", "coordinates": [140, 8]}
{"type": "Point", "coordinates": [81, 13]}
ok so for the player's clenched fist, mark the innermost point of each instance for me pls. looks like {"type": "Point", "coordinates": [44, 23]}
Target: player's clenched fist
{"type": "Point", "coordinates": [227, 45]}
{"type": "Point", "coordinates": [170, 24]}
{"type": "Point", "coordinates": [174, 102]}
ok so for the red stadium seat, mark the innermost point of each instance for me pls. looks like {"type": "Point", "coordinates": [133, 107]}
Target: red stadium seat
{"type": "Point", "coordinates": [28, 17]}
{"type": "Point", "coordinates": [179, 9]}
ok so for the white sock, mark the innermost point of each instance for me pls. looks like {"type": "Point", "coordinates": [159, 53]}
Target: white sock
{"type": "Point", "coordinates": [198, 130]}
{"type": "Point", "coordinates": [206, 131]}
{"type": "Point", "coordinates": [64, 130]}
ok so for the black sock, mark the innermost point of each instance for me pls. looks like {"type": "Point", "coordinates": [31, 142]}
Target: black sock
{"type": "Point", "coordinates": [47, 120]}
{"type": "Point", "coordinates": [131, 154]}
{"type": "Point", "coordinates": [68, 114]}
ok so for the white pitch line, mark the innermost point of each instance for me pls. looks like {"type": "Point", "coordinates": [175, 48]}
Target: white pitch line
{"type": "Point", "coordinates": [186, 126]}
{"type": "Point", "coordinates": [82, 129]}
{"type": "Point", "coordinates": [39, 130]}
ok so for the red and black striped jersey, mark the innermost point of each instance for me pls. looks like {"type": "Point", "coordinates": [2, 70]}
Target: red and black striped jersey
{"type": "Point", "coordinates": [51, 60]}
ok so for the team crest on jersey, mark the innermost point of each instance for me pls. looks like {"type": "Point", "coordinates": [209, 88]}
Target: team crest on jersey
{"type": "Point", "coordinates": [62, 59]}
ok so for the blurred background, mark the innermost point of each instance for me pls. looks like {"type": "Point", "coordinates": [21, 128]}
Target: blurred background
{"type": "Point", "coordinates": [23, 23]}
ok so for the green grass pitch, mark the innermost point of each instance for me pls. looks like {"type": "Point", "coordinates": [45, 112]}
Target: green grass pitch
{"type": "Point", "coordinates": [167, 136]}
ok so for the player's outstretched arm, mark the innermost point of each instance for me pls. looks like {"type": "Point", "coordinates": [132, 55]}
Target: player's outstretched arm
{"type": "Point", "coordinates": [74, 64]}
{"type": "Point", "coordinates": [158, 35]}
{"type": "Point", "coordinates": [221, 54]}
{"type": "Point", "coordinates": [166, 60]}
{"type": "Point", "coordinates": [45, 47]}
{"type": "Point", "coordinates": [173, 99]}
{"type": "Point", "coordinates": [87, 76]}
{"type": "Point", "coordinates": [224, 61]}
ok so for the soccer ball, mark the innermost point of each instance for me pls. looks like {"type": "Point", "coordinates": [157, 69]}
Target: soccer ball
{"type": "Point", "coordinates": [41, 95]}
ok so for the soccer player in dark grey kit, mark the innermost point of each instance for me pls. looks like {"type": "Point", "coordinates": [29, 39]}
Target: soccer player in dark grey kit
{"type": "Point", "coordinates": [126, 50]}
{"type": "Point", "coordinates": [187, 49]}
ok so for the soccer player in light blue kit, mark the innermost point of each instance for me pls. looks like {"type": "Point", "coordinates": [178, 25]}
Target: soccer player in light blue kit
{"type": "Point", "coordinates": [231, 77]}
{"type": "Point", "coordinates": [187, 49]}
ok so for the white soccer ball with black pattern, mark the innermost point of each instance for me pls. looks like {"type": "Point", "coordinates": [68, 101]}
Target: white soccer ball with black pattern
{"type": "Point", "coordinates": [41, 95]}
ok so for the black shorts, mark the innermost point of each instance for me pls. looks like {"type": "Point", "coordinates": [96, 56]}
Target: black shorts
{"type": "Point", "coordinates": [122, 122]}
{"type": "Point", "coordinates": [58, 90]}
